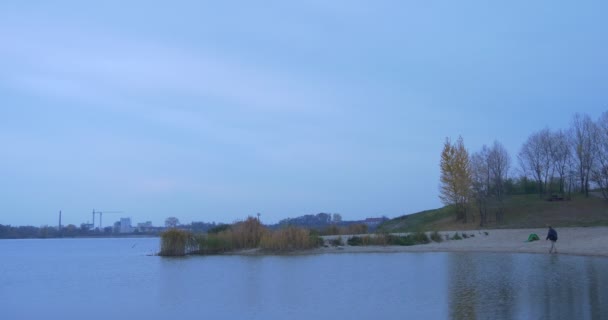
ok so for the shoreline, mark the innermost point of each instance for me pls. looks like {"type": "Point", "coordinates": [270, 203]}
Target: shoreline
{"type": "Point", "coordinates": [579, 241]}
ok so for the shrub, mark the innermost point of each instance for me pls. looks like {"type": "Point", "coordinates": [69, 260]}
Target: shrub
{"type": "Point", "coordinates": [215, 243]}
{"type": "Point", "coordinates": [420, 238]}
{"type": "Point", "coordinates": [435, 236]}
{"type": "Point", "coordinates": [464, 235]}
{"type": "Point", "coordinates": [336, 242]}
{"type": "Point", "coordinates": [400, 240]}
{"type": "Point", "coordinates": [355, 241]}
{"type": "Point", "coordinates": [456, 236]}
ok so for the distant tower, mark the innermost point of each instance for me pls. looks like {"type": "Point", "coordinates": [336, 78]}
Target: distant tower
{"type": "Point", "coordinates": [59, 220]}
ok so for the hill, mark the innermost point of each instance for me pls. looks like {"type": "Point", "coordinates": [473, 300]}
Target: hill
{"type": "Point", "coordinates": [520, 211]}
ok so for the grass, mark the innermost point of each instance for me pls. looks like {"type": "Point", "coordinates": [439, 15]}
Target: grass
{"type": "Point", "coordinates": [520, 211]}
{"type": "Point", "coordinates": [418, 221]}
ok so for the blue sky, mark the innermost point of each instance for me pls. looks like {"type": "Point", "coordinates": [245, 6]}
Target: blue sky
{"type": "Point", "coordinates": [214, 111]}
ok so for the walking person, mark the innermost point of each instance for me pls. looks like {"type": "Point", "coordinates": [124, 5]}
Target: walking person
{"type": "Point", "coordinates": [552, 235]}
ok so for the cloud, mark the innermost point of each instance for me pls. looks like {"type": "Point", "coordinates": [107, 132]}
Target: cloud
{"type": "Point", "coordinates": [95, 67]}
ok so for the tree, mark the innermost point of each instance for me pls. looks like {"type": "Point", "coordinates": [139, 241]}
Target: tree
{"type": "Point", "coordinates": [480, 182]}
{"type": "Point", "coordinates": [535, 158]}
{"type": "Point", "coordinates": [599, 174]}
{"type": "Point", "coordinates": [584, 137]}
{"type": "Point", "coordinates": [171, 222]}
{"type": "Point", "coordinates": [455, 180]}
{"type": "Point", "coordinates": [498, 163]}
{"type": "Point", "coordinates": [336, 218]}
{"type": "Point", "coordinates": [489, 171]}
{"type": "Point", "coordinates": [561, 157]}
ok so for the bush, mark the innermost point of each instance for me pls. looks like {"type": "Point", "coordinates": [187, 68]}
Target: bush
{"type": "Point", "coordinates": [420, 238]}
{"type": "Point", "coordinates": [456, 236]}
{"type": "Point", "coordinates": [214, 243]}
{"type": "Point", "coordinates": [355, 241]}
{"type": "Point", "coordinates": [336, 242]}
{"type": "Point", "coordinates": [377, 240]}
{"type": "Point", "coordinates": [435, 236]}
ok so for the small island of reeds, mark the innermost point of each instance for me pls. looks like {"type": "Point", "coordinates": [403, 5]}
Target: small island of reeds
{"type": "Point", "coordinates": [242, 235]}
{"type": "Point", "coordinates": [250, 234]}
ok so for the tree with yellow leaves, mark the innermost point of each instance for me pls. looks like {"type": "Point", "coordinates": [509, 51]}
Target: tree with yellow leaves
{"type": "Point", "coordinates": [455, 188]}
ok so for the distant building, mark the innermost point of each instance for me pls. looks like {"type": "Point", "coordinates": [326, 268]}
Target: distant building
{"type": "Point", "coordinates": [145, 226]}
{"type": "Point", "coordinates": [125, 225]}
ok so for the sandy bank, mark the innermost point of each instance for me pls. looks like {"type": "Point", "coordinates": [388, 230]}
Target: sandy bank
{"type": "Point", "coordinates": [575, 241]}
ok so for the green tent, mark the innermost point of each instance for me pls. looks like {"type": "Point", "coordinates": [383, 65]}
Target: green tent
{"type": "Point", "coordinates": [533, 237]}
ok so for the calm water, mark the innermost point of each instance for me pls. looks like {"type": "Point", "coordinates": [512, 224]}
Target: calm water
{"type": "Point", "coordinates": [114, 279]}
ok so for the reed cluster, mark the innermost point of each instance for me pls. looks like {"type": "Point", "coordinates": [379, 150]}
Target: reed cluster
{"type": "Point", "coordinates": [290, 238]}
{"type": "Point", "coordinates": [175, 242]}
{"type": "Point", "coordinates": [248, 234]}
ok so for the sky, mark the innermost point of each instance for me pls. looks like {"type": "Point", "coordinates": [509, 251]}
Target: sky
{"type": "Point", "coordinates": [215, 110]}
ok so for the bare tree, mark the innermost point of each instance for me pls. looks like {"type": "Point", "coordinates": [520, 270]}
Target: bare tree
{"type": "Point", "coordinates": [498, 167]}
{"type": "Point", "coordinates": [480, 182]}
{"type": "Point", "coordinates": [547, 150]}
{"type": "Point", "coordinates": [584, 143]}
{"type": "Point", "coordinates": [599, 173]}
{"type": "Point", "coordinates": [535, 160]}
{"type": "Point", "coordinates": [561, 157]}
{"type": "Point", "coordinates": [171, 222]}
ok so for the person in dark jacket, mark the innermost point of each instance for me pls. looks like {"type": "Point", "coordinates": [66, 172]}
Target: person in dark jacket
{"type": "Point", "coordinates": [552, 235]}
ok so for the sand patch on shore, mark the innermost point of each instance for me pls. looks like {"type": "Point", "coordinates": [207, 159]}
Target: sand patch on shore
{"type": "Point", "coordinates": [591, 241]}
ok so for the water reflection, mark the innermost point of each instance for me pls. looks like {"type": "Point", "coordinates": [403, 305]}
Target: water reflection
{"type": "Point", "coordinates": [118, 281]}
{"type": "Point", "coordinates": [524, 286]}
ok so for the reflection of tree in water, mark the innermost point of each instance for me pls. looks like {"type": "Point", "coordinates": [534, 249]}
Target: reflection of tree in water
{"type": "Point", "coordinates": [598, 295]}
{"type": "Point", "coordinates": [571, 287]}
{"type": "Point", "coordinates": [524, 286]}
{"type": "Point", "coordinates": [479, 287]}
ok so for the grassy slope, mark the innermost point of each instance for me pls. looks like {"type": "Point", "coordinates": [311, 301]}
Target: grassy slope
{"type": "Point", "coordinates": [522, 211]}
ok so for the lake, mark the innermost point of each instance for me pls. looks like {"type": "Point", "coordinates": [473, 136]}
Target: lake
{"type": "Point", "coordinates": [115, 279]}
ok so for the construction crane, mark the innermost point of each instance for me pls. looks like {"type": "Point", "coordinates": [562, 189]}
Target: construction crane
{"type": "Point", "coordinates": [100, 217]}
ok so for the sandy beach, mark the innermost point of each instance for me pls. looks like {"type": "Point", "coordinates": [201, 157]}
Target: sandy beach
{"type": "Point", "coordinates": [591, 241]}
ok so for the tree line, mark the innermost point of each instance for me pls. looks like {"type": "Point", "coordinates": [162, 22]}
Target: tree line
{"type": "Point", "coordinates": [551, 163]}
